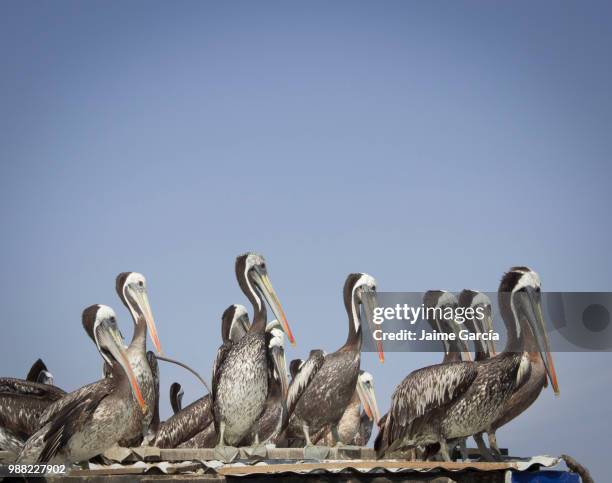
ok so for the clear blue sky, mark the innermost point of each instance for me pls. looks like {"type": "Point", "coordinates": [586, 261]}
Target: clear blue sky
{"type": "Point", "coordinates": [431, 144]}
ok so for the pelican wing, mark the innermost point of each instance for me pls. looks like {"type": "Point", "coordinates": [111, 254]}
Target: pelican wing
{"type": "Point", "coordinates": [58, 406]}
{"type": "Point", "coordinates": [216, 376]}
{"type": "Point", "coordinates": [426, 390]}
{"type": "Point", "coordinates": [185, 424]}
{"type": "Point", "coordinates": [21, 387]}
{"type": "Point", "coordinates": [9, 441]}
{"type": "Point", "coordinates": [72, 416]}
{"type": "Point", "coordinates": [304, 376]}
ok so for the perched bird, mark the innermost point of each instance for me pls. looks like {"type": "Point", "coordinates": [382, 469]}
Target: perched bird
{"type": "Point", "coordinates": [355, 425]}
{"type": "Point", "coordinates": [325, 383]}
{"type": "Point", "coordinates": [131, 288]}
{"type": "Point", "coordinates": [241, 371]}
{"type": "Point", "coordinates": [192, 426]}
{"type": "Point", "coordinates": [98, 415]}
{"type": "Point", "coordinates": [525, 395]}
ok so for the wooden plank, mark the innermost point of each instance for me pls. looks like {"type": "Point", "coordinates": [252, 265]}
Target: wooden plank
{"type": "Point", "coordinates": [365, 465]}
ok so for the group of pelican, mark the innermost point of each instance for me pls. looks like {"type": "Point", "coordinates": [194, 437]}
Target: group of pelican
{"type": "Point", "coordinates": [327, 400]}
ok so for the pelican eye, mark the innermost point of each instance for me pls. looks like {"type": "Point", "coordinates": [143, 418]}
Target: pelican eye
{"type": "Point", "coordinates": [140, 283]}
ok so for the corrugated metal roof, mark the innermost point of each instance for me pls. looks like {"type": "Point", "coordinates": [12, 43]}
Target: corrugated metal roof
{"type": "Point", "coordinates": [277, 461]}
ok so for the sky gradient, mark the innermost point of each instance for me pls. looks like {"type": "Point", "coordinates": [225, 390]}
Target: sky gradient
{"type": "Point", "coordinates": [432, 145]}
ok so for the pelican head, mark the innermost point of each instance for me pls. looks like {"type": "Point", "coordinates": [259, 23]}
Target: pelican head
{"type": "Point", "coordinates": [100, 323]}
{"type": "Point", "coordinates": [360, 291]}
{"type": "Point", "coordinates": [252, 275]}
{"type": "Point", "coordinates": [523, 288]}
{"type": "Point", "coordinates": [276, 351]}
{"type": "Point", "coordinates": [443, 303]}
{"type": "Point", "coordinates": [365, 390]}
{"type": "Point", "coordinates": [132, 290]}
{"type": "Point", "coordinates": [176, 397]}
{"type": "Point", "coordinates": [234, 323]}
{"type": "Point", "coordinates": [294, 367]}
{"type": "Point", "coordinates": [478, 325]}
{"type": "Point", "coordinates": [39, 373]}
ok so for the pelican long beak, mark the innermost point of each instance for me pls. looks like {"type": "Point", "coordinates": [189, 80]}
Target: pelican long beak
{"type": "Point", "coordinates": [263, 281]}
{"type": "Point", "coordinates": [466, 355]}
{"type": "Point", "coordinates": [280, 366]}
{"type": "Point", "coordinates": [533, 313]}
{"type": "Point", "coordinates": [144, 308]}
{"type": "Point", "coordinates": [114, 344]}
{"type": "Point", "coordinates": [370, 302]}
{"type": "Point", "coordinates": [367, 397]}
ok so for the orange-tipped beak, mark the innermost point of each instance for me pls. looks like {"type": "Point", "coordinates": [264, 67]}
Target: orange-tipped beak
{"type": "Point", "coordinates": [142, 300]}
{"type": "Point", "coordinates": [274, 303]}
{"type": "Point", "coordinates": [154, 337]}
{"type": "Point", "coordinates": [552, 374]}
{"type": "Point", "coordinates": [381, 352]}
{"type": "Point", "coordinates": [368, 400]}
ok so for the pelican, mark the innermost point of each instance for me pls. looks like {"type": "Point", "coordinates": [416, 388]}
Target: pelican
{"type": "Point", "coordinates": [460, 399]}
{"type": "Point", "coordinates": [176, 397]}
{"type": "Point", "coordinates": [39, 373]}
{"type": "Point", "coordinates": [99, 414]}
{"type": "Point", "coordinates": [22, 402]}
{"type": "Point", "coordinates": [355, 425]}
{"type": "Point", "coordinates": [240, 373]}
{"type": "Point", "coordinates": [324, 385]}
{"type": "Point", "coordinates": [192, 426]}
{"type": "Point", "coordinates": [131, 288]}
{"type": "Point", "coordinates": [524, 396]}
{"type": "Point", "coordinates": [269, 424]}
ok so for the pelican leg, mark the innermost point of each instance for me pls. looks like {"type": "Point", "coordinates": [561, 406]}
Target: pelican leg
{"type": "Point", "coordinates": [221, 434]}
{"type": "Point", "coordinates": [412, 454]}
{"type": "Point", "coordinates": [486, 454]}
{"type": "Point", "coordinates": [306, 435]}
{"type": "Point", "coordinates": [493, 443]}
{"type": "Point", "coordinates": [222, 452]}
{"type": "Point", "coordinates": [336, 435]}
{"type": "Point", "coordinates": [463, 449]}
{"type": "Point", "coordinates": [444, 450]}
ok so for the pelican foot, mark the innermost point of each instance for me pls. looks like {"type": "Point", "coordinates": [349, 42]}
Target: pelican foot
{"type": "Point", "coordinates": [312, 452]}
{"type": "Point", "coordinates": [226, 454]}
{"type": "Point", "coordinates": [259, 451]}
{"type": "Point", "coordinates": [486, 454]}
